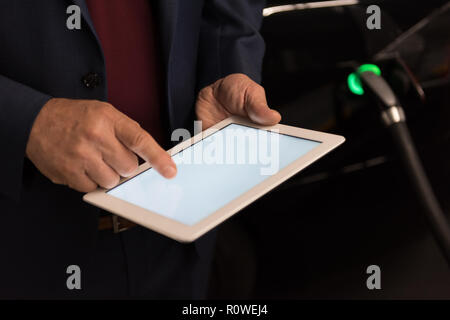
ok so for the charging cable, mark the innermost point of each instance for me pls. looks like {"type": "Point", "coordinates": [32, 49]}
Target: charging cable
{"type": "Point", "coordinates": [393, 117]}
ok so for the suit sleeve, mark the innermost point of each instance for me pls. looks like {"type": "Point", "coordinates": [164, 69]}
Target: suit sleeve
{"type": "Point", "coordinates": [230, 41]}
{"type": "Point", "coordinates": [19, 106]}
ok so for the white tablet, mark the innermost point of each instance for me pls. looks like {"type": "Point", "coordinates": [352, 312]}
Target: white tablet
{"type": "Point", "coordinates": [220, 171]}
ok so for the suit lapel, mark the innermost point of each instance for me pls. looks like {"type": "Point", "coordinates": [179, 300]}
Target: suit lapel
{"type": "Point", "coordinates": [167, 15]}
{"type": "Point", "coordinates": [167, 11]}
{"type": "Point", "coordinates": [85, 14]}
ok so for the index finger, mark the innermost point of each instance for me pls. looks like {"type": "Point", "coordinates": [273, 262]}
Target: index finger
{"type": "Point", "coordinates": [130, 133]}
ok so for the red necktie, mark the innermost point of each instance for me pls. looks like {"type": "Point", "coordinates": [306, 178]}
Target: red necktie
{"type": "Point", "coordinates": [127, 35]}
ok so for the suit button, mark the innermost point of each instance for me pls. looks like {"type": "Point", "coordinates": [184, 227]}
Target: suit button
{"type": "Point", "coordinates": [91, 80]}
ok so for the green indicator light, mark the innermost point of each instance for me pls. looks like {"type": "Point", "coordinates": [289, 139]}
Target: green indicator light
{"type": "Point", "coordinates": [354, 84]}
{"type": "Point", "coordinates": [353, 81]}
{"type": "Point", "coordinates": [369, 67]}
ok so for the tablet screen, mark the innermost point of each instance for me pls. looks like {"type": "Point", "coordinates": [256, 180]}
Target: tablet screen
{"type": "Point", "coordinates": [213, 171]}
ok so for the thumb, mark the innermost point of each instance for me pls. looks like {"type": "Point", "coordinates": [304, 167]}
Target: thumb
{"type": "Point", "coordinates": [255, 104]}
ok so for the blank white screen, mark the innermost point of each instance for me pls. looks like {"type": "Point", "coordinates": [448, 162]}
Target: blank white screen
{"type": "Point", "coordinates": [200, 189]}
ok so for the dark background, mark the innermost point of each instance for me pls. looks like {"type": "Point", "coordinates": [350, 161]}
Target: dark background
{"type": "Point", "coordinates": [314, 236]}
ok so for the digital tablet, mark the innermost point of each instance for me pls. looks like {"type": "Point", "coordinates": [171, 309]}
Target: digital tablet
{"type": "Point", "coordinates": [220, 171]}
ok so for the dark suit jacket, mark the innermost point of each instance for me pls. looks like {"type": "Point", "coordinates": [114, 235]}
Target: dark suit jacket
{"type": "Point", "coordinates": [46, 227]}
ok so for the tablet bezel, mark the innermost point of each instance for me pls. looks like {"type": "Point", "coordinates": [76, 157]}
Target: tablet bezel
{"type": "Point", "coordinates": [186, 233]}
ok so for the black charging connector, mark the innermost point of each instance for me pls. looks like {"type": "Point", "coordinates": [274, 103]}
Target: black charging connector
{"type": "Point", "coordinates": [394, 119]}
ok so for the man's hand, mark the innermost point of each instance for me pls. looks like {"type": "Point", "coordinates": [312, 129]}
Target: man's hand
{"type": "Point", "coordinates": [235, 94]}
{"type": "Point", "coordinates": [88, 143]}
